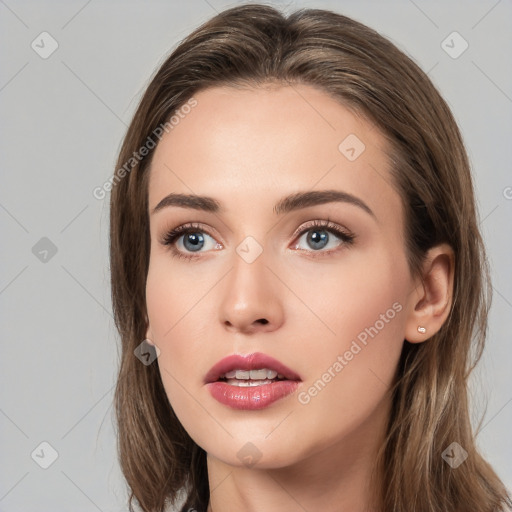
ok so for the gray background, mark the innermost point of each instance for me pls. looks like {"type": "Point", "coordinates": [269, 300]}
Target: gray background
{"type": "Point", "coordinates": [62, 121]}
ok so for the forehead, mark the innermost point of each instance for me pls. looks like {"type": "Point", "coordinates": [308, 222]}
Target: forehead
{"type": "Point", "coordinates": [245, 145]}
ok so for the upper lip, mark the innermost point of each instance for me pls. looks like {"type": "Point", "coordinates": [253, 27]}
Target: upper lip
{"type": "Point", "coordinates": [253, 361]}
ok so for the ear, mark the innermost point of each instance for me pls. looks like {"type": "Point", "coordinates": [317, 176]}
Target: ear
{"type": "Point", "coordinates": [430, 301]}
{"type": "Point", "coordinates": [149, 333]}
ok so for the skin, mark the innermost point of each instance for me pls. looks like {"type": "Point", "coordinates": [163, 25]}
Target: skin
{"type": "Point", "coordinates": [248, 148]}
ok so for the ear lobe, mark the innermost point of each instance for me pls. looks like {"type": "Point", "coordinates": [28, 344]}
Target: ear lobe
{"type": "Point", "coordinates": [431, 301]}
{"type": "Point", "coordinates": [149, 334]}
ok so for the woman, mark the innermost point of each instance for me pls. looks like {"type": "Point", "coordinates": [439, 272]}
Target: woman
{"type": "Point", "coordinates": [294, 235]}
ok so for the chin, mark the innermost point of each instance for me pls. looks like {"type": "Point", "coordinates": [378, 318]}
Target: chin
{"type": "Point", "coordinates": [251, 449]}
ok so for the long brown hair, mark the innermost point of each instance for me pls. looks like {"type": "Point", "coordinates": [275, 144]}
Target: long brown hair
{"type": "Point", "coordinates": [251, 45]}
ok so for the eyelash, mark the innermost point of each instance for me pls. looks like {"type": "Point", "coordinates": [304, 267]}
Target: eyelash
{"type": "Point", "coordinates": [170, 238]}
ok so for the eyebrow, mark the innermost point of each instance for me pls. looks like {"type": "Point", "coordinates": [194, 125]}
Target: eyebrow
{"type": "Point", "coordinates": [287, 204]}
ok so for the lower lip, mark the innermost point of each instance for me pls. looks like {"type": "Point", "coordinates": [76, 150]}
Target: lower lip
{"type": "Point", "coordinates": [251, 398]}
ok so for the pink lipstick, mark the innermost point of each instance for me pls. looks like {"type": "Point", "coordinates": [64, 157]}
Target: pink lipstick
{"type": "Point", "coordinates": [250, 382]}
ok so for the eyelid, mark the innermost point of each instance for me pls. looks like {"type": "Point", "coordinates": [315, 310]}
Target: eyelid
{"type": "Point", "coordinates": [326, 224]}
{"type": "Point", "coordinates": [170, 236]}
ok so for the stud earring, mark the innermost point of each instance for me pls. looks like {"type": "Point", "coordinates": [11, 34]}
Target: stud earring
{"type": "Point", "coordinates": [422, 329]}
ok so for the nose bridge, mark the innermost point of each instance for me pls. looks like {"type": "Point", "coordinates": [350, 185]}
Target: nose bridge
{"type": "Point", "coordinates": [250, 296]}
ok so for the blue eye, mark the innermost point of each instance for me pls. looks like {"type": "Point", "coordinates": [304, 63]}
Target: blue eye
{"type": "Point", "coordinates": [318, 236]}
{"type": "Point", "coordinates": [193, 241]}
{"type": "Point", "coordinates": [192, 238]}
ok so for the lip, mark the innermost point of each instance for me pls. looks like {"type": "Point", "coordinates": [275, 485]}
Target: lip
{"type": "Point", "coordinates": [250, 398]}
{"type": "Point", "coordinates": [253, 361]}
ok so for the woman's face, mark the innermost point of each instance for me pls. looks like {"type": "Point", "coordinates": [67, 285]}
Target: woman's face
{"type": "Point", "coordinates": [320, 284]}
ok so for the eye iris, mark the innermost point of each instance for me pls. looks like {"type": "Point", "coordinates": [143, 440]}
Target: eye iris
{"type": "Point", "coordinates": [317, 237]}
{"type": "Point", "coordinates": [196, 239]}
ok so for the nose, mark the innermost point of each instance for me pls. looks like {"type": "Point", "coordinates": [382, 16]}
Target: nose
{"type": "Point", "coordinates": [251, 297]}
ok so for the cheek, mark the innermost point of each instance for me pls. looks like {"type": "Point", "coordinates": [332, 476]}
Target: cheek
{"type": "Point", "coordinates": [348, 296]}
{"type": "Point", "coordinates": [353, 362]}
{"type": "Point", "coordinates": [181, 308]}
{"type": "Point", "coordinates": [176, 299]}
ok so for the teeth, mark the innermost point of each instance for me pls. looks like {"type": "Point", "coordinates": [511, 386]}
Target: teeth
{"type": "Point", "coordinates": [248, 383]}
{"type": "Point", "coordinates": [256, 375]}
